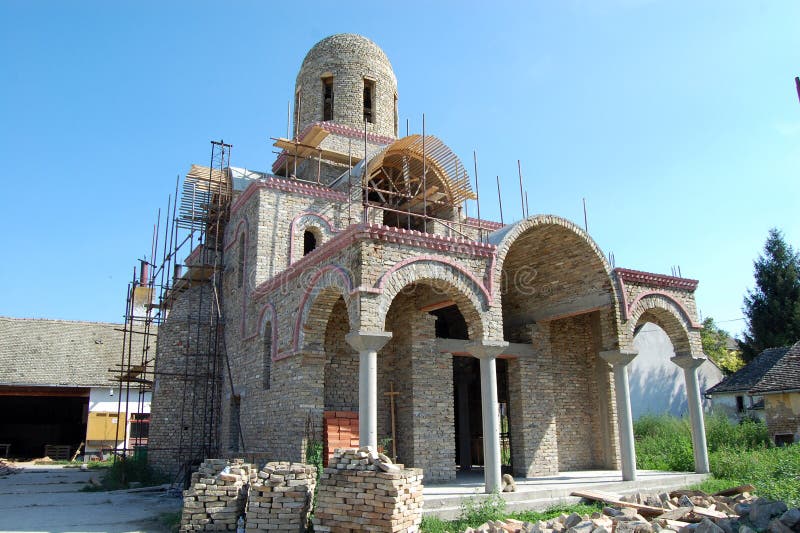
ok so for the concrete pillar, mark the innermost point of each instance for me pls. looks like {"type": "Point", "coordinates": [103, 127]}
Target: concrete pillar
{"type": "Point", "coordinates": [627, 449]}
{"type": "Point", "coordinates": [367, 343]}
{"type": "Point", "coordinates": [689, 365]}
{"type": "Point", "coordinates": [487, 353]}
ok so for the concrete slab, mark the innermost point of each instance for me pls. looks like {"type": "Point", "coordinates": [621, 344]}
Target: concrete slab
{"type": "Point", "coordinates": [49, 498]}
{"type": "Point", "coordinates": [444, 500]}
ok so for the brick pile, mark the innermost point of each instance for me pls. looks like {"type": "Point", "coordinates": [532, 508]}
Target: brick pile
{"type": "Point", "coordinates": [280, 498]}
{"type": "Point", "coordinates": [339, 430]}
{"type": "Point", "coordinates": [362, 490]}
{"type": "Point", "coordinates": [217, 495]}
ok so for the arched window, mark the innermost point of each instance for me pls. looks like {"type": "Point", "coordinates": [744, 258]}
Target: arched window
{"type": "Point", "coordinates": [240, 275]}
{"type": "Point", "coordinates": [309, 242]}
{"type": "Point", "coordinates": [267, 354]}
{"type": "Point", "coordinates": [369, 100]}
{"type": "Point", "coordinates": [327, 98]}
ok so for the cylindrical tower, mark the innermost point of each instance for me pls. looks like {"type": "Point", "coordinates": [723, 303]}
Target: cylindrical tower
{"type": "Point", "coordinates": [347, 79]}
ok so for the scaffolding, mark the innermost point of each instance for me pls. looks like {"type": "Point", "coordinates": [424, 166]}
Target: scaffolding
{"type": "Point", "coordinates": [191, 258]}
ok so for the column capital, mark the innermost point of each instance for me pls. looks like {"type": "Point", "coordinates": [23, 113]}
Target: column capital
{"type": "Point", "coordinates": [686, 361]}
{"type": "Point", "coordinates": [486, 349]}
{"type": "Point", "coordinates": [365, 341]}
{"type": "Point", "coordinates": [619, 357]}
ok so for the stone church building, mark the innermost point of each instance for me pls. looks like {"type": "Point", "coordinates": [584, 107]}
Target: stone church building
{"type": "Point", "coordinates": [360, 305]}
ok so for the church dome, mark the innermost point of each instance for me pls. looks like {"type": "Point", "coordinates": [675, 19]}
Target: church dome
{"type": "Point", "coordinates": [347, 79]}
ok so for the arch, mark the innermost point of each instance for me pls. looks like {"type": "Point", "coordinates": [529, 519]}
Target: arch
{"type": "Point", "coordinates": [324, 288]}
{"type": "Point", "coordinates": [549, 268]}
{"type": "Point", "coordinates": [319, 224]}
{"type": "Point", "coordinates": [442, 274]}
{"type": "Point", "coordinates": [665, 312]}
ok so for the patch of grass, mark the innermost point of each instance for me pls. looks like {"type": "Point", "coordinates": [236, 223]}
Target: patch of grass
{"type": "Point", "coordinates": [739, 453]}
{"type": "Point", "coordinates": [475, 512]}
{"type": "Point", "coordinates": [127, 470]}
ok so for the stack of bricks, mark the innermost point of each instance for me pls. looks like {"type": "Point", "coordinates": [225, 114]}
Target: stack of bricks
{"type": "Point", "coordinates": [280, 498]}
{"type": "Point", "coordinates": [362, 490]}
{"type": "Point", "coordinates": [217, 495]}
{"type": "Point", "coordinates": [339, 430]}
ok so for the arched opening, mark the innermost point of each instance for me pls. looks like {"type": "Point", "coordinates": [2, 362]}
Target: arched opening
{"type": "Point", "coordinates": [556, 294]}
{"type": "Point", "coordinates": [423, 379]}
{"type": "Point", "coordinates": [655, 382]}
{"type": "Point", "coordinates": [309, 241]}
{"type": "Point", "coordinates": [341, 364]}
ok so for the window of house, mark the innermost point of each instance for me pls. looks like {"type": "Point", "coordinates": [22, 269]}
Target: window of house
{"type": "Point", "coordinates": [740, 404]}
{"type": "Point", "coordinates": [784, 439]}
{"type": "Point", "coordinates": [309, 242]}
{"type": "Point", "coordinates": [369, 100]}
{"type": "Point", "coordinates": [327, 98]}
{"type": "Point", "coordinates": [267, 354]}
{"type": "Point", "coordinates": [235, 428]}
{"type": "Point", "coordinates": [240, 274]}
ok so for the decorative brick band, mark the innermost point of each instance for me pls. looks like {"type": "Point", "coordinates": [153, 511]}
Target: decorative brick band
{"type": "Point", "coordinates": [290, 186]}
{"type": "Point", "coordinates": [660, 281]}
{"type": "Point", "coordinates": [378, 233]}
{"type": "Point", "coordinates": [485, 224]}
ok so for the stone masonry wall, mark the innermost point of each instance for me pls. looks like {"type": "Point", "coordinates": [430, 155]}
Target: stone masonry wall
{"type": "Point", "coordinates": [184, 392]}
{"type": "Point", "coordinates": [783, 414]}
{"type": "Point", "coordinates": [341, 364]}
{"type": "Point", "coordinates": [576, 394]}
{"type": "Point", "coordinates": [349, 59]}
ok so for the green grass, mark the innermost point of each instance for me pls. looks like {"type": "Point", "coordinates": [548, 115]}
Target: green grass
{"type": "Point", "coordinates": [738, 454]}
{"type": "Point", "coordinates": [123, 472]}
{"type": "Point", "coordinates": [476, 511]}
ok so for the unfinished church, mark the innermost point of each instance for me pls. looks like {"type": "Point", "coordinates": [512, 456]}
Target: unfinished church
{"type": "Point", "coordinates": [350, 301]}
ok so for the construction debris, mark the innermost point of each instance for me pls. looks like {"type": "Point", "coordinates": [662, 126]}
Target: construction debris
{"type": "Point", "coordinates": [730, 511]}
{"type": "Point", "coordinates": [7, 468]}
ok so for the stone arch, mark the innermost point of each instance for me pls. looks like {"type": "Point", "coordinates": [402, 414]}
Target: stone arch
{"type": "Point", "coordinates": [665, 312]}
{"type": "Point", "coordinates": [325, 286]}
{"type": "Point", "coordinates": [547, 268]}
{"type": "Point", "coordinates": [441, 274]}
{"type": "Point", "coordinates": [318, 224]}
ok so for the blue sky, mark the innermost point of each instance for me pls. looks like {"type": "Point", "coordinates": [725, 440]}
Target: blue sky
{"type": "Point", "coordinates": [677, 121]}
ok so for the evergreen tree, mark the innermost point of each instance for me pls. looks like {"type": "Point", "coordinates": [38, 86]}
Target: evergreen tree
{"type": "Point", "coordinates": [772, 309]}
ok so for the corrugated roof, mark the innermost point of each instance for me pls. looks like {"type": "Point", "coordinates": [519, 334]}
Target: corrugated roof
{"type": "Point", "coordinates": [42, 352]}
{"type": "Point", "coordinates": [747, 377]}
{"type": "Point", "coordinates": [784, 374]}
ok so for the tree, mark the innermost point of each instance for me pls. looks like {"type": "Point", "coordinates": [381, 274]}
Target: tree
{"type": "Point", "coordinates": [772, 309]}
{"type": "Point", "coordinates": [717, 346]}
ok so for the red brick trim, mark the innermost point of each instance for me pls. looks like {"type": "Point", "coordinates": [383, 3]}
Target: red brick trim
{"type": "Point", "coordinates": [656, 280]}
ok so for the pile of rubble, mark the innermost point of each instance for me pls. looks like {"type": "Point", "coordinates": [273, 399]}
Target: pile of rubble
{"type": "Point", "coordinates": [362, 490]}
{"type": "Point", "coordinates": [6, 468]}
{"type": "Point", "coordinates": [280, 497]}
{"type": "Point", "coordinates": [683, 511]}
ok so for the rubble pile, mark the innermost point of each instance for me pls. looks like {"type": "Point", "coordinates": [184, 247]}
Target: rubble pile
{"type": "Point", "coordinates": [362, 490]}
{"type": "Point", "coordinates": [280, 497]}
{"type": "Point", "coordinates": [216, 498]}
{"type": "Point", "coordinates": [6, 468]}
{"type": "Point", "coordinates": [682, 511]}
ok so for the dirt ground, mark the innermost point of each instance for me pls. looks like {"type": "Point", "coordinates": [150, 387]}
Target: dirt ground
{"type": "Point", "coordinates": [48, 498]}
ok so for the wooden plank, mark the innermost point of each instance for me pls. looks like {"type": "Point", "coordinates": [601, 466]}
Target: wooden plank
{"type": "Point", "coordinates": [676, 524]}
{"type": "Point", "coordinates": [711, 513]}
{"type": "Point", "coordinates": [675, 514]}
{"type": "Point", "coordinates": [733, 491]}
{"type": "Point", "coordinates": [644, 510]}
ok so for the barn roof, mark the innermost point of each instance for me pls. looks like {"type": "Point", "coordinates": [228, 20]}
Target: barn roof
{"type": "Point", "coordinates": [773, 370]}
{"type": "Point", "coordinates": [43, 352]}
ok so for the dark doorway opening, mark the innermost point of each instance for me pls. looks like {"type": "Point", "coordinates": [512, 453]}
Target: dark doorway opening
{"type": "Point", "coordinates": [28, 423]}
{"type": "Point", "coordinates": [468, 414]}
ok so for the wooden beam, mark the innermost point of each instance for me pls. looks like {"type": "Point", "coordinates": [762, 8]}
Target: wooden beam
{"type": "Point", "coordinates": [437, 305]}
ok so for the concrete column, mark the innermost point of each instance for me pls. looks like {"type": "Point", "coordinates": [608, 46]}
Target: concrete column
{"type": "Point", "coordinates": [619, 361]}
{"type": "Point", "coordinates": [689, 365]}
{"type": "Point", "coordinates": [367, 343]}
{"type": "Point", "coordinates": [487, 353]}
